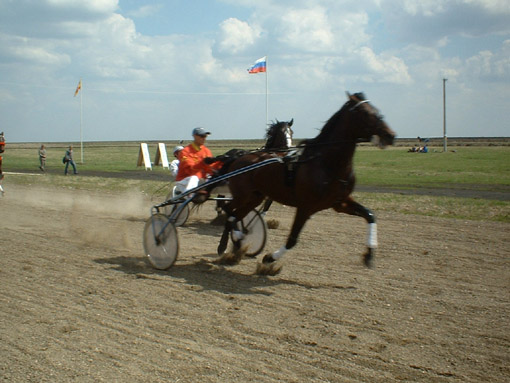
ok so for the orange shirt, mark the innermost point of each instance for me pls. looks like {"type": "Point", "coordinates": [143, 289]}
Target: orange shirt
{"type": "Point", "coordinates": [191, 162]}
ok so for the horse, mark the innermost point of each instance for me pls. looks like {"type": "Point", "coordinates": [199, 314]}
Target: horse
{"type": "Point", "coordinates": [279, 136]}
{"type": "Point", "coordinates": [278, 139]}
{"type": "Point", "coordinates": [322, 177]}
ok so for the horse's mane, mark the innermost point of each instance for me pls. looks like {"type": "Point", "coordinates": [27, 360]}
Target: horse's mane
{"type": "Point", "coordinates": [272, 133]}
{"type": "Point", "coordinates": [332, 124]}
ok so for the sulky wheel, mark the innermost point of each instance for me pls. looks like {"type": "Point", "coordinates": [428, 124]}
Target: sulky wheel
{"type": "Point", "coordinates": [255, 233]}
{"type": "Point", "coordinates": [160, 241]}
{"type": "Point", "coordinates": [169, 209]}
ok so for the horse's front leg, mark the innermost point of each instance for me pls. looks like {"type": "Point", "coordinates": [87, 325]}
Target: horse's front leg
{"type": "Point", "coordinates": [349, 206]}
{"type": "Point", "coordinates": [268, 266]}
{"type": "Point", "coordinates": [222, 247]}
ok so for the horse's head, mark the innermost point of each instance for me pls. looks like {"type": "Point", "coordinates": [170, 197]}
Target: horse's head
{"type": "Point", "coordinates": [368, 122]}
{"type": "Point", "coordinates": [279, 135]}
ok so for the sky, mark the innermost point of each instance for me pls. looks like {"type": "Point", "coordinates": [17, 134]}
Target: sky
{"type": "Point", "coordinates": [155, 69]}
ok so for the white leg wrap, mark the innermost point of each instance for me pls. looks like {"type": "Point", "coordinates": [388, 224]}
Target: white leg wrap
{"type": "Point", "coordinates": [237, 235]}
{"type": "Point", "coordinates": [372, 235]}
{"type": "Point", "coordinates": [279, 253]}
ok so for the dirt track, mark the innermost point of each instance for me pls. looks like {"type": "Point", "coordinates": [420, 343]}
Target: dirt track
{"type": "Point", "coordinates": [80, 303]}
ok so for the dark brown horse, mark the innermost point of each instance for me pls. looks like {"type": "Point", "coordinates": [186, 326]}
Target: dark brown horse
{"type": "Point", "coordinates": [279, 135]}
{"type": "Point", "coordinates": [278, 140]}
{"type": "Point", "coordinates": [321, 177]}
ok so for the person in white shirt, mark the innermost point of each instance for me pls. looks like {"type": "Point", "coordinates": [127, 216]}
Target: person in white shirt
{"type": "Point", "coordinates": [174, 165]}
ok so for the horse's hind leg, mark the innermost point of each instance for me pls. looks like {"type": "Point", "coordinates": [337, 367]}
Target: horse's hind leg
{"type": "Point", "coordinates": [349, 206]}
{"type": "Point", "coordinates": [226, 231]}
{"type": "Point", "coordinates": [234, 217]}
{"type": "Point", "coordinates": [267, 204]}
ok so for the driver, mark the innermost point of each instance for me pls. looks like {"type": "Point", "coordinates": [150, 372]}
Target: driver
{"type": "Point", "coordinates": [192, 167]}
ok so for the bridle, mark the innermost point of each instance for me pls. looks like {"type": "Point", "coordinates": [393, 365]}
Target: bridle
{"type": "Point", "coordinates": [358, 104]}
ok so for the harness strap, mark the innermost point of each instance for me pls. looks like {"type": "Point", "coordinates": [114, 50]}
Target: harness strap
{"type": "Point", "coordinates": [219, 179]}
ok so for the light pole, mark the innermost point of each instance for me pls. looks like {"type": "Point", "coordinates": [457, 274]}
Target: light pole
{"type": "Point", "coordinates": [445, 146]}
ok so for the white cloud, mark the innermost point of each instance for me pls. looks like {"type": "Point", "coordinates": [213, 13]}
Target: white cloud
{"type": "Point", "coordinates": [424, 7]}
{"type": "Point", "coordinates": [237, 35]}
{"type": "Point", "coordinates": [384, 67]}
{"type": "Point", "coordinates": [493, 6]}
{"type": "Point", "coordinates": [145, 10]}
{"type": "Point", "coordinates": [493, 66]}
{"type": "Point", "coordinates": [430, 8]}
{"type": "Point", "coordinates": [96, 6]}
{"type": "Point", "coordinates": [430, 21]}
{"type": "Point", "coordinates": [306, 29]}
{"type": "Point", "coordinates": [317, 49]}
{"type": "Point", "coordinates": [40, 55]}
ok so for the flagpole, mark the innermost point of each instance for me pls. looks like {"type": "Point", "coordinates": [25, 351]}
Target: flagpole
{"type": "Point", "coordinates": [261, 66]}
{"type": "Point", "coordinates": [81, 121]}
{"type": "Point", "coordinates": [267, 93]}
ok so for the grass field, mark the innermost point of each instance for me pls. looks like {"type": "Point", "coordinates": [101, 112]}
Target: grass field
{"type": "Point", "coordinates": [465, 167]}
{"type": "Point", "coordinates": [485, 167]}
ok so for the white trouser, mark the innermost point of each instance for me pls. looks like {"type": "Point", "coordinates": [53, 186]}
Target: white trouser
{"type": "Point", "coordinates": [193, 181]}
{"type": "Point", "coordinates": [187, 183]}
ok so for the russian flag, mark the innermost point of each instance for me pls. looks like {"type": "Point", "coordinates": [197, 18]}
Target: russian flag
{"type": "Point", "coordinates": [259, 66]}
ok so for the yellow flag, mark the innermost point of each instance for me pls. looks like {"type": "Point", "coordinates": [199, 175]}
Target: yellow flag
{"type": "Point", "coordinates": [77, 89]}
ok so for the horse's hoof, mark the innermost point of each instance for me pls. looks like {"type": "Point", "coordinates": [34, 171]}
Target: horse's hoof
{"type": "Point", "coordinates": [368, 258]}
{"type": "Point", "coordinates": [229, 259]}
{"type": "Point", "coordinates": [269, 268]}
{"type": "Point", "coordinates": [268, 258]}
{"type": "Point", "coordinates": [232, 258]}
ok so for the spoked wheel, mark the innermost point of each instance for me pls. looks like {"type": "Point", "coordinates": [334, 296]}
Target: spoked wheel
{"type": "Point", "coordinates": [255, 233]}
{"type": "Point", "coordinates": [183, 215]}
{"type": "Point", "coordinates": [160, 241]}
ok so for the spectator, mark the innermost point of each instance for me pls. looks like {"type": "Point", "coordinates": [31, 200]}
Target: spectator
{"type": "Point", "coordinates": [68, 159]}
{"type": "Point", "coordinates": [174, 165]}
{"type": "Point", "coordinates": [42, 157]}
{"type": "Point", "coordinates": [2, 149]}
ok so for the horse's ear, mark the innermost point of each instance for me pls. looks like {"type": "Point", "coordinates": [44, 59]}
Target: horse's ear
{"type": "Point", "coordinates": [291, 122]}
